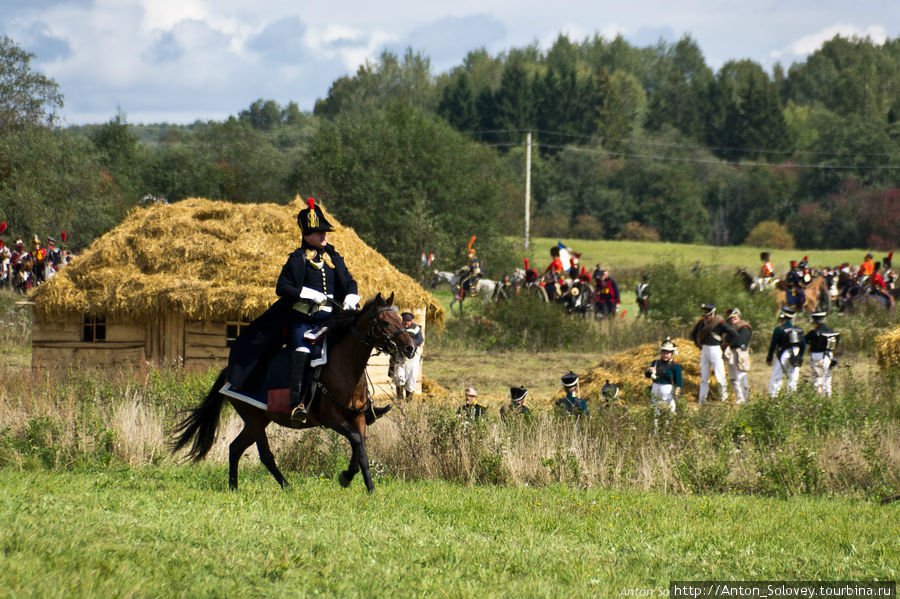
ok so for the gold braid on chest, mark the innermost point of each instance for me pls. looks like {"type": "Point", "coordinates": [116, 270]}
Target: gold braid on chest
{"type": "Point", "coordinates": [324, 260]}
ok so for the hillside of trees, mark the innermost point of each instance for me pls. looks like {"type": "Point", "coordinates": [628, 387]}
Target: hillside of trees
{"type": "Point", "coordinates": [628, 143]}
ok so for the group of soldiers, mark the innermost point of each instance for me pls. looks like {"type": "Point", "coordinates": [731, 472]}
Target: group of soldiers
{"type": "Point", "coordinates": [596, 293]}
{"type": "Point", "coordinates": [22, 269]}
{"type": "Point", "coordinates": [724, 343]}
{"type": "Point", "coordinates": [571, 403]}
{"type": "Point", "coordinates": [843, 281]}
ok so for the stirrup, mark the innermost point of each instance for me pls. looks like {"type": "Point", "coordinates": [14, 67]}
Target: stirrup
{"type": "Point", "coordinates": [299, 414]}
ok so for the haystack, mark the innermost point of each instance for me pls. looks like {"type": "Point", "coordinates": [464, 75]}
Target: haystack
{"type": "Point", "coordinates": [887, 349]}
{"type": "Point", "coordinates": [207, 259]}
{"type": "Point", "coordinates": [626, 369]}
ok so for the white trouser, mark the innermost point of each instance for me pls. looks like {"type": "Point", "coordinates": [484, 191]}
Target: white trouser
{"type": "Point", "coordinates": [663, 393]}
{"type": "Point", "coordinates": [782, 369]}
{"type": "Point", "coordinates": [820, 371]}
{"type": "Point", "coordinates": [406, 372]}
{"type": "Point", "coordinates": [711, 360]}
{"type": "Point", "coordinates": [741, 382]}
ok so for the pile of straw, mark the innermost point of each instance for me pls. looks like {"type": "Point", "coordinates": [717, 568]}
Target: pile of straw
{"type": "Point", "coordinates": [887, 349]}
{"type": "Point", "coordinates": [208, 260]}
{"type": "Point", "coordinates": [626, 370]}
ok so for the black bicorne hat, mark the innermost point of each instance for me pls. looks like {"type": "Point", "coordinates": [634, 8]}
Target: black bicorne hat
{"type": "Point", "coordinates": [570, 379]}
{"type": "Point", "coordinates": [517, 393]}
{"type": "Point", "coordinates": [312, 220]}
{"type": "Point", "coordinates": [786, 312]}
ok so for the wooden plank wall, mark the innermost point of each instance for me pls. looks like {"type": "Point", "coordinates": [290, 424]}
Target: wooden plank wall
{"type": "Point", "coordinates": [60, 346]}
{"type": "Point", "coordinates": [204, 344]}
{"type": "Point", "coordinates": [166, 340]}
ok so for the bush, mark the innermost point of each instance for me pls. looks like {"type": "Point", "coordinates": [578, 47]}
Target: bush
{"type": "Point", "coordinates": [587, 226]}
{"type": "Point", "coordinates": [678, 292]}
{"type": "Point", "coordinates": [635, 231]}
{"type": "Point", "coordinates": [771, 234]}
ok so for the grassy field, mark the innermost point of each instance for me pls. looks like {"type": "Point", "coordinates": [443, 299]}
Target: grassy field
{"type": "Point", "coordinates": [174, 531]}
{"type": "Point", "coordinates": [618, 255]}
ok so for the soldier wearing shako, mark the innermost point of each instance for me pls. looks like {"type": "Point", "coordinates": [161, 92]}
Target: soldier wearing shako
{"type": "Point", "coordinates": [572, 403]}
{"type": "Point", "coordinates": [665, 373]}
{"type": "Point", "coordinates": [406, 371]}
{"type": "Point", "coordinates": [642, 295]}
{"type": "Point", "coordinates": [710, 333]}
{"type": "Point", "coordinates": [316, 280]}
{"type": "Point", "coordinates": [786, 353]}
{"type": "Point", "coordinates": [822, 341]}
{"type": "Point", "coordinates": [516, 405]}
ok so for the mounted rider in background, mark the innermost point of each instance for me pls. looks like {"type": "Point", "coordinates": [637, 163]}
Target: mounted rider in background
{"type": "Point", "coordinates": [766, 278]}
{"type": "Point", "coordinates": [469, 274]}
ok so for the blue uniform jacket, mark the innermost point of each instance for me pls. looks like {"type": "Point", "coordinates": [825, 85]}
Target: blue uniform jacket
{"type": "Point", "coordinates": [266, 334]}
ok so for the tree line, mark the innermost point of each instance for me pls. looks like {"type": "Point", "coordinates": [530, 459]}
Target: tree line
{"type": "Point", "coordinates": [632, 143]}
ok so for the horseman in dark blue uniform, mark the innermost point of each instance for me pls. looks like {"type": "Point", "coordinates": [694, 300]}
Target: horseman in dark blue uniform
{"type": "Point", "coordinates": [313, 282]}
{"type": "Point", "coordinates": [794, 296]}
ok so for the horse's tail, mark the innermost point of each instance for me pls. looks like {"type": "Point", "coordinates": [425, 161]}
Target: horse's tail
{"type": "Point", "coordinates": [201, 424]}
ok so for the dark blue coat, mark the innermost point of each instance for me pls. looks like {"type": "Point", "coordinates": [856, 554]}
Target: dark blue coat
{"type": "Point", "coordinates": [267, 333]}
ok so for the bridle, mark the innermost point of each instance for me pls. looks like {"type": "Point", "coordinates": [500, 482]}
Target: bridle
{"type": "Point", "coordinates": [377, 338]}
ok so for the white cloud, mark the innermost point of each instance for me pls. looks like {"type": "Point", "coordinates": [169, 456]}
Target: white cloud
{"type": "Point", "coordinates": [808, 44]}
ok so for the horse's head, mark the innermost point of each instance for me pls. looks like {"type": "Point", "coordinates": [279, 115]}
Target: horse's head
{"type": "Point", "coordinates": [385, 327]}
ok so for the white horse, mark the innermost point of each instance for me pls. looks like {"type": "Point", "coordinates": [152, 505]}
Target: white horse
{"type": "Point", "coordinates": [486, 289]}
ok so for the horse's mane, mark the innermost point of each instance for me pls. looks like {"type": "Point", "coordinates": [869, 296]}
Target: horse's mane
{"type": "Point", "coordinates": [341, 321]}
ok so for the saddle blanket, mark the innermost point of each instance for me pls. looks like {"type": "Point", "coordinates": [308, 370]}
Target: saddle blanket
{"type": "Point", "coordinates": [269, 387]}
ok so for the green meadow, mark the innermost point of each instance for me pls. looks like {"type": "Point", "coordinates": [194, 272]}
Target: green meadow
{"type": "Point", "coordinates": [174, 531]}
{"type": "Point", "coordinates": [626, 255]}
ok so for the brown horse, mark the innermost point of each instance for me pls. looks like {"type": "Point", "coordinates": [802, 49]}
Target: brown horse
{"type": "Point", "coordinates": [339, 400]}
{"type": "Point", "coordinates": [815, 292]}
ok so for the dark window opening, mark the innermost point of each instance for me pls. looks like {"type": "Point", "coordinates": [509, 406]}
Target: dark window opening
{"type": "Point", "coordinates": [93, 329]}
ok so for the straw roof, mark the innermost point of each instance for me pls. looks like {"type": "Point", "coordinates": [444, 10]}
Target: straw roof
{"type": "Point", "coordinates": [208, 260]}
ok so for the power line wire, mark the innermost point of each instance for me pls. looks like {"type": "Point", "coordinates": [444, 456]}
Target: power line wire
{"type": "Point", "coordinates": [637, 141]}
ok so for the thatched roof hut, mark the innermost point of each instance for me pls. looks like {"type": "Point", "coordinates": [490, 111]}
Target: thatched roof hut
{"type": "Point", "coordinates": [198, 263]}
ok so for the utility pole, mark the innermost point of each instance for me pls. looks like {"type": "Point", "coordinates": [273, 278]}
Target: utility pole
{"type": "Point", "coordinates": [527, 185]}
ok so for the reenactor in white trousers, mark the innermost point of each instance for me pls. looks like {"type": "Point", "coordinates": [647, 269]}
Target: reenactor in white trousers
{"type": "Point", "coordinates": [785, 353]}
{"type": "Point", "coordinates": [822, 341]}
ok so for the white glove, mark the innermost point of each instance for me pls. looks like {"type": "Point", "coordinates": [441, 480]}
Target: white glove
{"type": "Point", "coordinates": [351, 301]}
{"type": "Point", "coordinates": [316, 297]}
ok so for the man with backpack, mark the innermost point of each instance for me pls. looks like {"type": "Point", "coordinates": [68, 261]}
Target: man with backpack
{"type": "Point", "coordinates": [822, 342]}
{"type": "Point", "coordinates": [785, 353]}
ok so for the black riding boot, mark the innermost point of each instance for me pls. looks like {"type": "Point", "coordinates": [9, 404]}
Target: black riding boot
{"type": "Point", "coordinates": [399, 392]}
{"type": "Point", "coordinates": [299, 360]}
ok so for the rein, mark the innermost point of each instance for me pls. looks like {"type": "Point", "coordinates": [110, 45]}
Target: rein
{"type": "Point", "coordinates": [386, 344]}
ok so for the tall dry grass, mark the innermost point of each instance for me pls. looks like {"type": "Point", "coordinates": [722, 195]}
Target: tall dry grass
{"type": "Point", "coordinates": [796, 444]}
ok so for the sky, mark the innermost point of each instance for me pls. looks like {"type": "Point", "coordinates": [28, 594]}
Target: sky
{"type": "Point", "coordinates": [178, 61]}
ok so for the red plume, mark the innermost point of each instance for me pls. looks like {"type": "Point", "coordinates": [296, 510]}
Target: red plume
{"type": "Point", "coordinates": [63, 236]}
{"type": "Point", "coordinates": [471, 241]}
{"type": "Point", "coordinates": [2, 227]}
{"type": "Point", "coordinates": [526, 263]}
{"type": "Point", "coordinates": [312, 203]}
{"type": "Point", "coordinates": [890, 256]}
